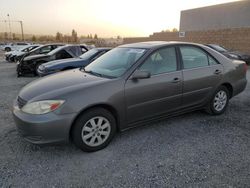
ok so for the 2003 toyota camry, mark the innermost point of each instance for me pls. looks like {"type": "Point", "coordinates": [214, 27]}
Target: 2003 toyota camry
{"type": "Point", "coordinates": [127, 86]}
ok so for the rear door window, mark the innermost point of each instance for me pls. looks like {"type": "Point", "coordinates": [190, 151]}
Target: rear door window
{"type": "Point", "coordinates": [193, 57]}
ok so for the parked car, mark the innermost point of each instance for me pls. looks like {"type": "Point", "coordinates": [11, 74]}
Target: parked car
{"type": "Point", "coordinates": [129, 85]}
{"type": "Point", "coordinates": [231, 54]}
{"type": "Point", "coordinates": [11, 55]}
{"type": "Point", "coordinates": [71, 63]}
{"type": "Point", "coordinates": [2, 45]}
{"type": "Point", "coordinates": [44, 49]}
{"type": "Point", "coordinates": [15, 46]}
{"type": "Point", "coordinates": [30, 64]}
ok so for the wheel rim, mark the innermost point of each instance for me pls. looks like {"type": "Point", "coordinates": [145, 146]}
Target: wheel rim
{"type": "Point", "coordinates": [96, 131]}
{"type": "Point", "coordinates": [220, 100]}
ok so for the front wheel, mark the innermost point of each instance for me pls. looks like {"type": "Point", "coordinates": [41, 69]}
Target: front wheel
{"type": "Point", "coordinates": [7, 49]}
{"type": "Point", "coordinates": [36, 69]}
{"type": "Point", "coordinates": [94, 130]}
{"type": "Point", "coordinates": [219, 101]}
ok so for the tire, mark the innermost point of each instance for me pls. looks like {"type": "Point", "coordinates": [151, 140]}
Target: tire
{"type": "Point", "coordinates": [36, 68]}
{"type": "Point", "coordinates": [12, 59]}
{"type": "Point", "coordinates": [94, 130]}
{"type": "Point", "coordinates": [7, 49]}
{"type": "Point", "coordinates": [219, 101]}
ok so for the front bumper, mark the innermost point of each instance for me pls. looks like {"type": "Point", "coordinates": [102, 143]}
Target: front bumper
{"type": "Point", "coordinates": [43, 129]}
{"type": "Point", "coordinates": [247, 60]}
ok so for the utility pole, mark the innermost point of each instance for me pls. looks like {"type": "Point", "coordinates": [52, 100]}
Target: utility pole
{"type": "Point", "coordinates": [22, 29]}
{"type": "Point", "coordinates": [9, 25]}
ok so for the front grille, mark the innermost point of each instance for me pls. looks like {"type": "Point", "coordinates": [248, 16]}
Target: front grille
{"type": "Point", "coordinates": [20, 102]}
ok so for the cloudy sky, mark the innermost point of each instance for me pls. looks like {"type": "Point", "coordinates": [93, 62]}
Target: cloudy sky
{"type": "Point", "coordinates": [107, 18]}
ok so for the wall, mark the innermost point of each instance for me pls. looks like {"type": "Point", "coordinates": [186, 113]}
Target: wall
{"type": "Point", "coordinates": [229, 15]}
{"type": "Point", "coordinates": [236, 39]}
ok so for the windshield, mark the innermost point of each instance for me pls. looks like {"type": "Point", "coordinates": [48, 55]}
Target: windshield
{"type": "Point", "coordinates": [115, 62]}
{"type": "Point", "coordinates": [24, 49]}
{"type": "Point", "coordinates": [88, 54]}
{"type": "Point", "coordinates": [219, 48]}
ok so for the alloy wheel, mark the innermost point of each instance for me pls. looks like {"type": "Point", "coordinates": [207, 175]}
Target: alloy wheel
{"type": "Point", "coordinates": [220, 100]}
{"type": "Point", "coordinates": [96, 131]}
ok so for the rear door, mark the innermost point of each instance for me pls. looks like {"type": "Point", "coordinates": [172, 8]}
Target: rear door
{"type": "Point", "coordinates": [201, 74]}
{"type": "Point", "coordinates": [158, 94]}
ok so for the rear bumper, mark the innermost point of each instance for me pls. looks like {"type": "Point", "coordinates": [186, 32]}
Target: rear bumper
{"type": "Point", "coordinates": [43, 129]}
{"type": "Point", "coordinates": [239, 86]}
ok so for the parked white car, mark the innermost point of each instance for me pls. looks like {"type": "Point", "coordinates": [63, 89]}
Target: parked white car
{"type": "Point", "coordinates": [11, 55]}
{"type": "Point", "coordinates": [15, 46]}
{"type": "Point", "coordinates": [2, 45]}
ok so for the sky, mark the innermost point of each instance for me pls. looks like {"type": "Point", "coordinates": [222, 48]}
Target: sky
{"type": "Point", "coordinates": [106, 18]}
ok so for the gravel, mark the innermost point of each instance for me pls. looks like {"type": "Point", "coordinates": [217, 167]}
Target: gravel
{"type": "Point", "coordinates": [192, 150]}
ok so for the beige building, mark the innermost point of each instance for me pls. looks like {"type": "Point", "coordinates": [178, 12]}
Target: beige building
{"type": "Point", "coordinates": [225, 24]}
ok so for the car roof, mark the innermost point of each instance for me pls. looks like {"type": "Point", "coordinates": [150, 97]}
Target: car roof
{"type": "Point", "coordinates": [102, 48]}
{"type": "Point", "coordinates": [154, 44]}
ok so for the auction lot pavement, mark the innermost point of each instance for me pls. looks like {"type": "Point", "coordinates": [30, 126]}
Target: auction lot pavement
{"type": "Point", "coordinates": [192, 150]}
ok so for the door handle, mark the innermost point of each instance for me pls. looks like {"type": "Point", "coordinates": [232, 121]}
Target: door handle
{"type": "Point", "coordinates": [176, 80]}
{"type": "Point", "coordinates": [217, 71]}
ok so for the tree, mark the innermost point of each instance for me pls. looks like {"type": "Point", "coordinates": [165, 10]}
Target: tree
{"type": "Point", "coordinates": [5, 35]}
{"type": "Point", "coordinates": [74, 36]}
{"type": "Point", "coordinates": [33, 38]}
{"type": "Point", "coordinates": [13, 36]}
{"type": "Point", "coordinates": [174, 30]}
{"type": "Point", "coordinates": [59, 37]}
{"type": "Point", "coordinates": [67, 38]}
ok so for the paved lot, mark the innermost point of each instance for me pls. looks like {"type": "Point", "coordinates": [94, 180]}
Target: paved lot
{"type": "Point", "coordinates": [192, 150]}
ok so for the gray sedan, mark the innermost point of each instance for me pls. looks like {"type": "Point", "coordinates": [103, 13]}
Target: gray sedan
{"type": "Point", "coordinates": [128, 86]}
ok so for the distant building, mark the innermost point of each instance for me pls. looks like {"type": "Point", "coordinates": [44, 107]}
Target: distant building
{"type": "Point", "coordinates": [222, 16]}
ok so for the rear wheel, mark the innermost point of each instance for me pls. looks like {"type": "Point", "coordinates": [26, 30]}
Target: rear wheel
{"type": "Point", "coordinates": [94, 130]}
{"type": "Point", "coordinates": [219, 101]}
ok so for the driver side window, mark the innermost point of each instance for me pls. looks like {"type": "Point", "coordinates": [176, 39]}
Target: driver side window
{"type": "Point", "coordinates": [161, 61]}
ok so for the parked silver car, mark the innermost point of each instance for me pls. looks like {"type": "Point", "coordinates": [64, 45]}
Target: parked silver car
{"type": "Point", "coordinates": [129, 85]}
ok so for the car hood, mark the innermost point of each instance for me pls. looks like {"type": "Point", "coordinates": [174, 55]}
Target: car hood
{"type": "Point", "coordinates": [20, 53]}
{"type": "Point", "coordinates": [12, 52]}
{"type": "Point", "coordinates": [35, 57]}
{"type": "Point", "coordinates": [61, 62]}
{"type": "Point", "coordinates": [58, 84]}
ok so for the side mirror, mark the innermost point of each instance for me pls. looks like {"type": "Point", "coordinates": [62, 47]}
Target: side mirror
{"type": "Point", "coordinates": [141, 75]}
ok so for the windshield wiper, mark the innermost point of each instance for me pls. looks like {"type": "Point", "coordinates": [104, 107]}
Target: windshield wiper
{"type": "Point", "coordinates": [91, 72]}
{"type": "Point", "coordinates": [95, 73]}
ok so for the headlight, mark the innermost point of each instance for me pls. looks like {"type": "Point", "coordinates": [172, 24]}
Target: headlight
{"type": "Point", "coordinates": [42, 107]}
